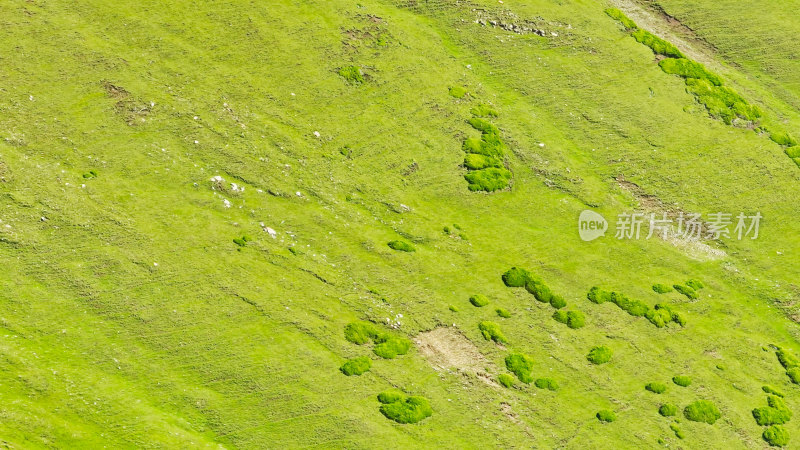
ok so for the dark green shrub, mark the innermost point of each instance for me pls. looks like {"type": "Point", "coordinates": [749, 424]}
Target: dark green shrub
{"type": "Point", "coordinates": [687, 68]}
{"type": "Point", "coordinates": [503, 313]}
{"type": "Point", "coordinates": [557, 302]}
{"type": "Point", "coordinates": [401, 246]}
{"type": "Point", "coordinates": [474, 161]}
{"type": "Point", "coordinates": [658, 45]}
{"type": "Point", "coordinates": [605, 415]}
{"type": "Point", "coordinates": [484, 126]}
{"type": "Point", "coordinates": [772, 390]}
{"type": "Point", "coordinates": [614, 13]}
{"type": "Point", "coordinates": [682, 380]}
{"type": "Point", "coordinates": [457, 92]}
{"type": "Point", "coordinates": [659, 317]}
{"type": "Point", "coordinates": [490, 179]}
{"type": "Point", "coordinates": [491, 331]}
{"type": "Point", "coordinates": [702, 411]}
{"type": "Point", "coordinates": [678, 433]}
{"type": "Point", "coordinates": [776, 413]}
{"type": "Point", "coordinates": [687, 291]}
{"type": "Point", "coordinates": [573, 319]}
{"type": "Point", "coordinates": [392, 347]}
{"type": "Point", "coordinates": [362, 332]}
{"type": "Point", "coordinates": [668, 410]}
{"type": "Point", "coordinates": [783, 138]}
{"type": "Point", "coordinates": [506, 380]}
{"type": "Point", "coordinates": [516, 277]}
{"type": "Point", "coordinates": [546, 383]}
{"type": "Point", "coordinates": [90, 174]}
{"type": "Point", "coordinates": [635, 308]}
{"type": "Point", "coordinates": [242, 241]}
{"type": "Point", "coordinates": [678, 318]}
{"type": "Point", "coordinates": [479, 300]}
{"type": "Point", "coordinates": [793, 152]}
{"type": "Point", "coordinates": [520, 365]}
{"type": "Point", "coordinates": [695, 284]}
{"type": "Point", "coordinates": [405, 409]}
{"type": "Point", "coordinates": [776, 436]}
{"type": "Point", "coordinates": [786, 358]}
{"type": "Point", "coordinates": [356, 366]}
{"type": "Point", "coordinates": [661, 288]}
{"type": "Point", "coordinates": [599, 296]}
{"type": "Point", "coordinates": [599, 355]}
{"type": "Point", "coordinates": [352, 74]}
{"type": "Point", "coordinates": [794, 374]}
{"type": "Point", "coordinates": [539, 290]}
{"type": "Point", "coordinates": [656, 388]}
{"type": "Point", "coordinates": [483, 110]}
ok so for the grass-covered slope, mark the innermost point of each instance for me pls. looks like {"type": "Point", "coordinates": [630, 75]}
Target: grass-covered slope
{"type": "Point", "coordinates": [199, 198]}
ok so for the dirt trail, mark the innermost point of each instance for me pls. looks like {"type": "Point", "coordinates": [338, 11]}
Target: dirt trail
{"type": "Point", "coordinates": [655, 20]}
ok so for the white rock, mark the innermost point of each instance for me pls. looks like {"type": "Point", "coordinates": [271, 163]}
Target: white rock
{"type": "Point", "coordinates": [316, 133]}
{"type": "Point", "coordinates": [272, 233]}
{"type": "Point", "coordinates": [226, 202]}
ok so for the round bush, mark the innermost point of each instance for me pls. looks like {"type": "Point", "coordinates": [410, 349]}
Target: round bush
{"type": "Point", "coordinates": [479, 300]}
{"type": "Point", "coordinates": [575, 319]}
{"type": "Point", "coordinates": [401, 246]}
{"type": "Point", "coordinates": [521, 366]}
{"type": "Point", "coordinates": [516, 277]}
{"type": "Point", "coordinates": [605, 415]}
{"type": "Point", "coordinates": [776, 436]}
{"type": "Point", "coordinates": [599, 355]}
{"type": "Point", "coordinates": [503, 313]}
{"type": "Point", "coordinates": [489, 179]}
{"type": "Point", "coordinates": [457, 92]}
{"type": "Point", "coordinates": [668, 410]}
{"type": "Point", "coordinates": [539, 290]}
{"type": "Point", "coordinates": [546, 383]}
{"type": "Point", "coordinates": [682, 380]}
{"type": "Point", "coordinates": [557, 302]}
{"type": "Point", "coordinates": [356, 366]}
{"type": "Point", "coordinates": [597, 295]}
{"type": "Point", "coordinates": [491, 331]}
{"type": "Point", "coordinates": [362, 332]}
{"type": "Point", "coordinates": [406, 409]}
{"type": "Point", "coordinates": [392, 347]}
{"type": "Point", "coordinates": [506, 380]}
{"type": "Point", "coordinates": [702, 411]}
{"type": "Point", "coordinates": [656, 388]}
{"type": "Point", "coordinates": [391, 396]}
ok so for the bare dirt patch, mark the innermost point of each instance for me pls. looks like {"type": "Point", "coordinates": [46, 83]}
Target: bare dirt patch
{"type": "Point", "coordinates": [447, 348]}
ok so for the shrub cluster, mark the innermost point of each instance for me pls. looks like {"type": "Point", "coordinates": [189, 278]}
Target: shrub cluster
{"type": "Point", "coordinates": [776, 436]}
{"type": "Point", "coordinates": [777, 413]}
{"type": "Point", "coordinates": [682, 380]}
{"type": "Point", "coordinates": [661, 288]}
{"type": "Point", "coordinates": [356, 366]}
{"type": "Point", "coordinates": [659, 316]}
{"type": "Point", "coordinates": [396, 406]}
{"type": "Point", "coordinates": [702, 411]}
{"type": "Point", "coordinates": [401, 246]}
{"type": "Point", "coordinates": [484, 155]}
{"type": "Point", "coordinates": [516, 277]}
{"type": "Point", "coordinates": [695, 284]}
{"type": "Point", "coordinates": [605, 415]}
{"type": "Point", "coordinates": [573, 319]}
{"type": "Point", "coordinates": [599, 355]}
{"type": "Point", "coordinates": [479, 300]}
{"type": "Point", "coordinates": [546, 383]}
{"type": "Point", "coordinates": [491, 331]}
{"type": "Point", "coordinates": [520, 365]}
{"type": "Point", "coordinates": [772, 390]}
{"type": "Point", "coordinates": [656, 387]}
{"type": "Point", "coordinates": [386, 345]}
{"type": "Point", "coordinates": [658, 45]}
{"type": "Point", "coordinates": [790, 363]}
{"type": "Point", "coordinates": [678, 433]}
{"type": "Point", "coordinates": [242, 241]}
{"type": "Point", "coordinates": [352, 74]}
{"type": "Point", "coordinates": [615, 13]}
{"type": "Point", "coordinates": [506, 380]}
{"type": "Point", "coordinates": [668, 410]}
{"type": "Point", "coordinates": [686, 290]}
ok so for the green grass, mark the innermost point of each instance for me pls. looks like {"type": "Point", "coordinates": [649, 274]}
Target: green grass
{"type": "Point", "coordinates": [615, 13]}
{"type": "Point", "coordinates": [352, 74]}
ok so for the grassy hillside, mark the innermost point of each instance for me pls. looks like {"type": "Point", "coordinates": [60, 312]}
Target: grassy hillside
{"type": "Point", "coordinates": [199, 198]}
